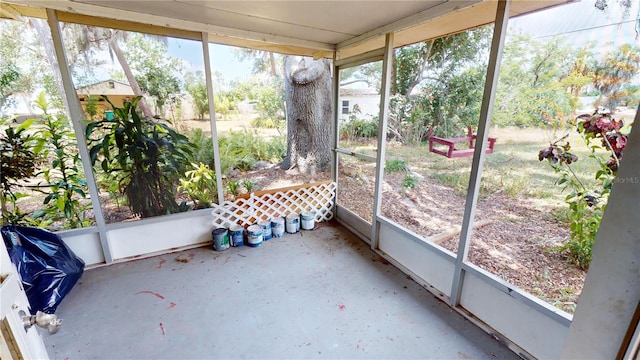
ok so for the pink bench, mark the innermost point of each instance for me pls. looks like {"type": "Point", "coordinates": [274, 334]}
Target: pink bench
{"type": "Point", "coordinates": [451, 151]}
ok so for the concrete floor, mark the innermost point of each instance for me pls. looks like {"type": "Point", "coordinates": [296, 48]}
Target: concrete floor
{"type": "Point", "coordinates": [317, 294]}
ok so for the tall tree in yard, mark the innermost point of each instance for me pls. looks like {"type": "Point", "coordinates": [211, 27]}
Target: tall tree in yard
{"type": "Point", "coordinates": [153, 68]}
{"type": "Point", "coordinates": [618, 68]}
{"type": "Point", "coordinates": [308, 99]}
{"type": "Point", "coordinates": [437, 85]}
{"type": "Point", "coordinates": [197, 88]}
{"type": "Point", "coordinates": [14, 79]}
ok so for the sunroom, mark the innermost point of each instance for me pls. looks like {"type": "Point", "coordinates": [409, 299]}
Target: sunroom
{"type": "Point", "coordinates": [362, 227]}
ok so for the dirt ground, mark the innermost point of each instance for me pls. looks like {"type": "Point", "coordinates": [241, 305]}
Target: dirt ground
{"type": "Point", "coordinates": [512, 238]}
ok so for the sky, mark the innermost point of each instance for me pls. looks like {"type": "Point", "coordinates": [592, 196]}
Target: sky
{"type": "Point", "coordinates": [223, 58]}
{"type": "Point", "coordinates": [581, 22]}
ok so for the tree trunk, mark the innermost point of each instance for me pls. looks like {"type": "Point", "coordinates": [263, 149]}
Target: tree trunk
{"type": "Point", "coordinates": [44, 33]}
{"type": "Point", "coordinates": [308, 98]}
{"type": "Point", "coordinates": [272, 63]}
{"type": "Point", "coordinates": [113, 44]}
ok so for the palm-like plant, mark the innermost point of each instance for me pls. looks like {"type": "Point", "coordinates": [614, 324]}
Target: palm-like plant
{"type": "Point", "coordinates": [146, 156]}
{"type": "Point", "coordinates": [617, 69]}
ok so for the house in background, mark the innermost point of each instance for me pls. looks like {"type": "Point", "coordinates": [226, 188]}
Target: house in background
{"type": "Point", "coordinates": [116, 91]}
{"type": "Point", "coordinates": [367, 99]}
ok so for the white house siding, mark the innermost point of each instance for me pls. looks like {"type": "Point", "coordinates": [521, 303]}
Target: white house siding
{"type": "Point", "coordinates": [367, 99]}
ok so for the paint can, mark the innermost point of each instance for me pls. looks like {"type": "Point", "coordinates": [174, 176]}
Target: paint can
{"type": "Point", "coordinates": [266, 229]}
{"type": "Point", "coordinates": [236, 233]}
{"type": "Point", "coordinates": [277, 227]}
{"type": "Point", "coordinates": [254, 235]}
{"type": "Point", "coordinates": [308, 220]}
{"type": "Point", "coordinates": [292, 223]}
{"type": "Point", "coordinates": [220, 239]}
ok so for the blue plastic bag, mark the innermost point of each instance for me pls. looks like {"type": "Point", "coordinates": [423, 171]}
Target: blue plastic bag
{"type": "Point", "coordinates": [47, 267]}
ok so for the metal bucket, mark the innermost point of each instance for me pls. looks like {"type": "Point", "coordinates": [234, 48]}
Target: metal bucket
{"type": "Point", "coordinates": [292, 223]}
{"type": "Point", "coordinates": [266, 229]}
{"type": "Point", "coordinates": [254, 235]}
{"type": "Point", "coordinates": [308, 220]}
{"type": "Point", "coordinates": [277, 227]}
{"type": "Point", "coordinates": [220, 238]}
{"type": "Point", "coordinates": [236, 233]}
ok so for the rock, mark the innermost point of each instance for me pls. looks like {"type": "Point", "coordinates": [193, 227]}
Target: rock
{"type": "Point", "coordinates": [233, 173]}
{"type": "Point", "coordinates": [293, 171]}
{"type": "Point", "coordinates": [350, 171]}
{"type": "Point", "coordinates": [259, 165]}
{"type": "Point", "coordinates": [418, 177]}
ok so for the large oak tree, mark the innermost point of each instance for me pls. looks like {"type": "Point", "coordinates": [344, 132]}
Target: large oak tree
{"type": "Point", "coordinates": [308, 99]}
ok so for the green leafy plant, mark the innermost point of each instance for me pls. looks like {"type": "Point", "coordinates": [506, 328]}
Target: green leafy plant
{"type": "Point", "coordinates": [146, 156]}
{"type": "Point", "coordinates": [241, 150]}
{"type": "Point", "coordinates": [584, 216]}
{"type": "Point", "coordinates": [200, 185]}
{"type": "Point", "coordinates": [64, 178]}
{"type": "Point", "coordinates": [17, 163]}
{"type": "Point", "coordinates": [586, 207]}
{"type": "Point", "coordinates": [225, 103]}
{"type": "Point", "coordinates": [410, 181]}
{"type": "Point", "coordinates": [233, 187]}
{"type": "Point", "coordinates": [265, 123]}
{"type": "Point", "coordinates": [91, 107]}
{"type": "Point", "coordinates": [356, 127]}
{"type": "Point", "coordinates": [197, 88]}
{"type": "Point", "coordinates": [248, 184]}
{"type": "Point", "coordinates": [392, 166]}
{"type": "Point", "coordinates": [203, 147]}
{"type": "Point", "coordinates": [268, 103]}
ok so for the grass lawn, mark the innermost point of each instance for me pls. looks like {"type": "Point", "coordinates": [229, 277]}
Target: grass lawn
{"type": "Point", "coordinates": [513, 168]}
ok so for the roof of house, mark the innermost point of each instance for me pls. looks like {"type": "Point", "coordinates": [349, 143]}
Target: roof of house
{"type": "Point", "coordinates": [359, 92]}
{"type": "Point", "coordinates": [104, 88]}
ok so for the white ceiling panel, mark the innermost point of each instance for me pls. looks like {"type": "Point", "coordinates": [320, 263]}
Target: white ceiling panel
{"type": "Point", "coordinates": [328, 22]}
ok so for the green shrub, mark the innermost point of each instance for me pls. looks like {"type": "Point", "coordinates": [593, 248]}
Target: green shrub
{"type": "Point", "coordinates": [359, 128]}
{"type": "Point", "coordinates": [203, 147]}
{"type": "Point", "coordinates": [248, 184]}
{"type": "Point", "coordinates": [587, 206]}
{"type": "Point", "coordinates": [276, 149]}
{"type": "Point", "coordinates": [147, 157]}
{"type": "Point", "coordinates": [233, 187]}
{"type": "Point", "coordinates": [64, 178]}
{"type": "Point", "coordinates": [392, 166]}
{"type": "Point", "coordinates": [267, 123]}
{"type": "Point", "coordinates": [241, 149]}
{"type": "Point", "coordinates": [225, 103]}
{"type": "Point", "coordinates": [18, 162]}
{"type": "Point", "coordinates": [410, 181]}
{"type": "Point", "coordinates": [59, 177]}
{"type": "Point", "coordinates": [199, 184]}
{"type": "Point", "coordinates": [269, 103]}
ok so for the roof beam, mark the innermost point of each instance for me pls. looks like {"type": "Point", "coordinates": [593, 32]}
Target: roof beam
{"type": "Point", "coordinates": [138, 22]}
{"type": "Point", "coordinates": [433, 12]}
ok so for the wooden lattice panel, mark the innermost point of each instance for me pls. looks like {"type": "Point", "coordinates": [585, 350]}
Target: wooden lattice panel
{"type": "Point", "coordinates": [318, 197]}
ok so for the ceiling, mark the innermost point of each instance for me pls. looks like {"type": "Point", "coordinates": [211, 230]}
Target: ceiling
{"type": "Point", "coordinates": [314, 28]}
